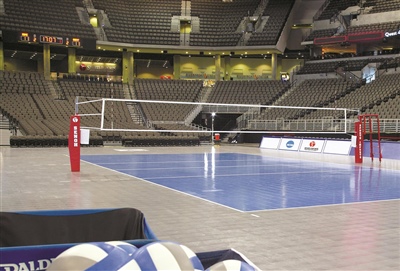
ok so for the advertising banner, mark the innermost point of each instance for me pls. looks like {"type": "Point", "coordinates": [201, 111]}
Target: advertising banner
{"type": "Point", "coordinates": [337, 147]}
{"type": "Point", "coordinates": [270, 143]}
{"type": "Point", "coordinates": [290, 144]}
{"type": "Point", "coordinates": [358, 154]}
{"type": "Point", "coordinates": [74, 143]}
{"type": "Point", "coordinates": [312, 145]}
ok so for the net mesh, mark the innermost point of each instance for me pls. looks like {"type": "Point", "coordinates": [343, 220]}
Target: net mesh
{"type": "Point", "coordinates": [173, 118]}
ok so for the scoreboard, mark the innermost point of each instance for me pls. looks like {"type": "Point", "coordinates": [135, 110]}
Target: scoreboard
{"type": "Point", "coordinates": [40, 38]}
{"type": "Point", "coordinates": [48, 39]}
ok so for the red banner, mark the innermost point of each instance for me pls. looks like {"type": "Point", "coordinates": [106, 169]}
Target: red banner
{"type": "Point", "coordinates": [358, 154]}
{"type": "Point", "coordinates": [74, 143]}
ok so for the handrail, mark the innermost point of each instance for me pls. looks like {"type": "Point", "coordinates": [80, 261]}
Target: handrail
{"type": "Point", "coordinates": [320, 125]}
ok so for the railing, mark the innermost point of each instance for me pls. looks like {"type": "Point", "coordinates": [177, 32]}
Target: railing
{"type": "Point", "coordinates": [225, 109]}
{"type": "Point", "coordinates": [320, 125]}
{"type": "Point", "coordinates": [250, 114]}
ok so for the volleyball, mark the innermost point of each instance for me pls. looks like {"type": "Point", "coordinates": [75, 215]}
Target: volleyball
{"type": "Point", "coordinates": [167, 256]}
{"type": "Point", "coordinates": [116, 258]}
{"type": "Point", "coordinates": [231, 265]}
{"type": "Point", "coordinates": [93, 256]}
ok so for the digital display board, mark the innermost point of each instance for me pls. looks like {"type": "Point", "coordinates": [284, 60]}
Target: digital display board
{"type": "Point", "coordinates": [48, 39]}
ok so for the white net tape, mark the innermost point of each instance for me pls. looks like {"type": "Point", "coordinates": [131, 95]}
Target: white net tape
{"type": "Point", "coordinates": [107, 114]}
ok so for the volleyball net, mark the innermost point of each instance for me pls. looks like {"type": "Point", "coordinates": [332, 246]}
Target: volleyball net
{"type": "Point", "coordinates": [176, 117]}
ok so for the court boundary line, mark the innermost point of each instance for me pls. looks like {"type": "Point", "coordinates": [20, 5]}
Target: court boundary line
{"type": "Point", "coordinates": [324, 205]}
{"type": "Point", "coordinates": [172, 189]}
{"type": "Point", "coordinates": [352, 166]}
{"type": "Point", "coordinates": [234, 209]}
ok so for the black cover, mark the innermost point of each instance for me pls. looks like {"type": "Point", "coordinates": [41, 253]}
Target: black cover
{"type": "Point", "coordinates": [25, 229]}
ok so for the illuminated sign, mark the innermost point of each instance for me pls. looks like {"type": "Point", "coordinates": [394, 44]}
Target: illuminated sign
{"type": "Point", "coordinates": [48, 39]}
{"type": "Point", "coordinates": [392, 34]}
{"type": "Point", "coordinates": [51, 39]}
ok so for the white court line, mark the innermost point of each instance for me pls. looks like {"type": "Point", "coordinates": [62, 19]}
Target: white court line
{"type": "Point", "coordinates": [323, 205]}
{"type": "Point", "coordinates": [248, 174]}
{"type": "Point", "coordinates": [175, 190]}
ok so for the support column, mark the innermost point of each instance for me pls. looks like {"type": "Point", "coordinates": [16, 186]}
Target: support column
{"type": "Point", "coordinates": [71, 60]}
{"type": "Point", "coordinates": [1, 56]}
{"type": "Point", "coordinates": [177, 67]}
{"type": "Point", "coordinates": [46, 61]}
{"type": "Point", "coordinates": [228, 68]}
{"type": "Point", "coordinates": [217, 67]}
{"type": "Point", "coordinates": [127, 67]}
{"type": "Point", "coordinates": [274, 65]}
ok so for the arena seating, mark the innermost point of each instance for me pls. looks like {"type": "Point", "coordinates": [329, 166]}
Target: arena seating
{"type": "Point", "coordinates": [387, 26]}
{"type": "Point", "coordinates": [378, 6]}
{"type": "Point", "coordinates": [321, 33]}
{"type": "Point", "coordinates": [278, 12]}
{"type": "Point", "coordinates": [388, 108]}
{"type": "Point", "coordinates": [166, 90]}
{"type": "Point", "coordinates": [247, 92]}
{"type": "Point", "coordinates": [140, 22]}
{"type": "Point", "coordinates": [21, 15]}
{"type": "Point", "coordinates": [308, 94]}
{"type": "Point", "coordinates": [314, 67]}
{"type": "Point", "coordinates": [217, 26]}
{"type": "Point", "coordinates": [384, 87]}
{"type": "Point", "coordinates": [334, 7]}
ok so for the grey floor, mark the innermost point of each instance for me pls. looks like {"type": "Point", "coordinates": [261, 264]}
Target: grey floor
{"type": "Point", "coordinates": [362, 236]}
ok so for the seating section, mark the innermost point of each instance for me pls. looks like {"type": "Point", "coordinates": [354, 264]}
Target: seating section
{"type": "Point", "coordinates": [388, 26]}
{"type": "Point", "coordinates": [313, 67]}
{"type": "Point", "coordinates": [27, 99]}
{"type": "Point", "coordinates": [334, 7]}
{"type": "Point", "coordinates": [278, 12]}
{"type": "Point", "coordinates": [43, 18]}
{"type": "Point", "coordinates": [388, 109]}
{"type": "Point", "coordinates": [321, 33]}
{"type": "Point", "coordinates": [378, 6]}
{"type": "Point", "coordinates": [167, 90]}
{"type": "Point", "coordinates": [219, 21]}
{"type": "Point", "coordinates": [310, 93]}
{"type": "Point", "coordinates": [141, 22]}
{"type": "Point", "coordinates": [366, 97]}
{"type": "Point", "coordinates": [247, 92]}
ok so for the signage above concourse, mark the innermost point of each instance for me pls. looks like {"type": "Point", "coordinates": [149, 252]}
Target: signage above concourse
{"type": "Point", "coordinates": [40, 38]}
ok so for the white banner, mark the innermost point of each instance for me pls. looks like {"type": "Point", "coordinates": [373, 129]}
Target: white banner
{"type": "Point", "coordinates": [290, 144]}
{"type": "Point", "coordinates": [338, 147]}
{"type": "Point", "coordinates": [270, 143]}
{"type": "Point", "coordinates": [312, 145]}
{"type": "Point", "coordinates": [85, 134]}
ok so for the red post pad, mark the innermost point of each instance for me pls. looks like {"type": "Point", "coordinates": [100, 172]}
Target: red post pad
{"type": "Point", "coordinates": [74, 143]}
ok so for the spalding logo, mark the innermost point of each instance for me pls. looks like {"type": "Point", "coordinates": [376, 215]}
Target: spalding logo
{"type": "Point", "coordinates": [290, 144]}
{"type": "Point", "coordinates": [75, 119]}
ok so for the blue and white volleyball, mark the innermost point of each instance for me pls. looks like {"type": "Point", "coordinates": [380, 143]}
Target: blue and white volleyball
{"type": "Point", "coordinates": [166, 256]}
{"type": "Point", "coordinates": [231, 265]}
{"type": "Point", "coordinates": [116, 258]}
{"type": "Point", "coordinates": [94, 256]}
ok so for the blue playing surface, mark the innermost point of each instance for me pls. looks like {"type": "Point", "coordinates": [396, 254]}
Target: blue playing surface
{"type": "Point", "coordinates": [252, 182]}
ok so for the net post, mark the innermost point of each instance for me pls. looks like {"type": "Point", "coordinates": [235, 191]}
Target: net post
{"type": "Point", "coordinates": [358, 154]}
{"type": "Point", "coordinates": [103, 105]}
{"type": "Point", "coordinates": [76, 105]}
{"type": "Point", "coordinates": [74, 143]}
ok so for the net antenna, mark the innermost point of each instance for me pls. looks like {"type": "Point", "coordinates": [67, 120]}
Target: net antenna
{"type": "Point", "coordinates": [250, 120]}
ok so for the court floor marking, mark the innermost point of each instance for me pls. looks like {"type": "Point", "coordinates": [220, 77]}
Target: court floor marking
{"type": "Point", "coordinates": [238, 210]}
{"type": "Point", "coordinates": [231, 175]}
{"type": "Point", "coordinates": [337, 168]}
{"type": "Point", "coordinates": [169, 188]}
{"type": "Point", "coordinates": [322, 205]}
